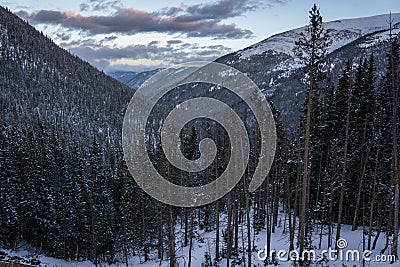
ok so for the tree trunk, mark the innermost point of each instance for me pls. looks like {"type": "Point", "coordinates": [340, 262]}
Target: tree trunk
{"type": "Point", "coordinates": [346, 139]}
{"type": "Point", "coordinates": [144, 241]}
{"type": "Point", "coordinates": [228, 231]}
{"type": "Point", "coordinates": [371, 210]}
{"type": "Point", "coordinates": [363, 166]}
{"type": "Point", "coordinates": [247, 203]}
{"type": "Point", "coordinates": [190, 239]}
{"type": "Point", "coordinates": [289, 208]}
{"type": "Point", "coordinates": [185, 243]}
{"type": "Point", "coordinates": [160, 243]}
{"type": "Point", "coordinates": [171, 226]}
{"type": "Point", "coordinates": [217, 231]}
{"type": "Point", "coordinates": [236, 224]}
{"type": "Point", "coordinates": [304, 190]}
{"type": "Point", "coordinates": [276, 199]}
{"type": "Point", "coordinates": [172, 260]}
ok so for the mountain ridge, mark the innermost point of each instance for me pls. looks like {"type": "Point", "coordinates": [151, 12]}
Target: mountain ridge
{"type": "Point", "coordinates": [277, 72]}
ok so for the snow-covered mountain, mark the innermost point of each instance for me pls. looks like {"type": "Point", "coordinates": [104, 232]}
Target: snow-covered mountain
{"type": "Point", "coordinates": [342, 32]}
{"type": "Point", "coordinates": [272, 65]}
{"type": "Point", "coordinates": [133, 79]}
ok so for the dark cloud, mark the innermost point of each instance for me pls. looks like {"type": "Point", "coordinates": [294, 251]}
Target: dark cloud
{"type": "Point", "coordinates": [171, 11]}
{"type": "Point", "coordinates": [195, 21]}
{"type": "Point", "coordinates": [84, 7]}
{"type": "Point", "coordinates": [153, 43]}
{"type": "Point", "coordinates": [63, 36]}
{"type": "Point", "coordinates": [171, 42]}
{"type": "Point", "coordinates": [109, 38]}
{"type": "Point", "coordinates": [219, 10]}
{"type": "Point", "coordinates": [50, 16]}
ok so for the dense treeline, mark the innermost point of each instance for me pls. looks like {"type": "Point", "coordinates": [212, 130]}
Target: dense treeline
{"type": "Point", "coordinates": [347, 143]}
{"type": "Point", "coordinates": [65, 188]}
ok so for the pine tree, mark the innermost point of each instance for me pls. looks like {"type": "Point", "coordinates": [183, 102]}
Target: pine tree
{"type": "Point", "coordinates": [311, 48]}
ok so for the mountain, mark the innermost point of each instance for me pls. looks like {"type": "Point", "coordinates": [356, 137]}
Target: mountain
{"type": "Point", "coordinates": [66, 192]}
{"type": "Point", "coordinates": [278, 73]}
{"type": "Point", "coordinates": [40, 81]}
{"type": "Point", "coordinates": [133, 79]}
{"type": "Point", "coordinates": [60, 144]}
{"type": "Point", "coordinates": [272, 65]}
{"type": "Point", "coordinates": [123, 76]}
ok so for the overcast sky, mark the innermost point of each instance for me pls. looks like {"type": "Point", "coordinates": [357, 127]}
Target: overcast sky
{"type": "Point", "coordinates": [140, 34]}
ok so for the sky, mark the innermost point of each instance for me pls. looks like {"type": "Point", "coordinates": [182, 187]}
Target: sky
{"type": "Point", "coordinates": [137, 35]}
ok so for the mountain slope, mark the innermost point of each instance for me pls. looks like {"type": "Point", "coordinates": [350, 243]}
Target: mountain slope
{"type": "Point", "coordinates": [60, 143]}
{"type": "Point", "coordinates": [273, 67]}
{"type": "Point", "coordinates": [341, 32]}
{"type": "Point", "coordinates": [41, 81]}
{"type": "Point", "coordinates": [133, 79]}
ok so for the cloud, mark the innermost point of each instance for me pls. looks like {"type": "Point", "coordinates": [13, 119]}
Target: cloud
{"type": "Point", "coordinates": [100, 5]}
{"type": "Point", "coordinates": [172, 42]}
{"type": "Point", "coordinates": [84, 7]}
{"type": "Point", "coordinates": [106, 57]}
{"type": "Point", "coordinates": [63, 36]}
{"type": "Point", "coordinates": [193, 21]}
{"type": "Point", "coordinates": [219, 10]}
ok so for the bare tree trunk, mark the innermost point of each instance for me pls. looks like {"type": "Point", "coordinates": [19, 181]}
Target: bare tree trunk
{"type": "Point", "coordinates": [318, 184]}
{"type": "Point", "coordinates": [160, 243]}
{"type": "Point", "coordinates": [243, 247]}
{"type": "Point", "coordinates": [217, 231]}
{"type": "Point", "coordinates": [185, 243]}
{"type": "Point", "coordinates": [289, 208]}
{"type": "Point", "coordinates": [247, 203]}
{"type": "Point", "coordinates": [371, 210]}
{"type": "Point", "coordinates": [346, 140]}
{"type": "Point", "coordinates": [228, 231]}
{"type": "Point", "coordinates": [363, 166]}
{"type": "Point", "coordinates": [93, 232]}
{"type": "Point", "coordinates": [304, 189]}
{"type": "Point", "coordinates": [377, 234]}
{"type": "Point", "coordinates": [190, 239]}
{"type": "Point", "coordinates": [145, 248]}
{"type": "Point", "coordinates": [171, 226]}
{"type": "Point", "coordinates": [236, 223]}
{"type": "Point", "coordinates": [296, 204]}
{"type": "Point", "coordinates": [206, 208]}
{"type": "Point", "coordinates": [276, 199]}
{"type": "Point", "coordinates": [388, 228]}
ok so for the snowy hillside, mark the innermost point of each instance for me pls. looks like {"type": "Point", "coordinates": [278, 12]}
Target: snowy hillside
{"type": "Point", "coordinates": [273, 67]}
{"type": "Point", "coordinates": [204, 244]}
{"type": "Point", "coordinates": [342, 32]}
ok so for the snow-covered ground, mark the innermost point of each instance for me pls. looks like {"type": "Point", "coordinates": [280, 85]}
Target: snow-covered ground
{"type": "Point", "coordinates": [204, 243]}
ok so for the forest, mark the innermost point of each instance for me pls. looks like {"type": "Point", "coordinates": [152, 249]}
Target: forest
{"type": "Point", "coordinates": [65, 188]}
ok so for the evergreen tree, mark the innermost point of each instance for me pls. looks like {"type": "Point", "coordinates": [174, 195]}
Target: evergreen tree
{"type": "Point", "coordinates": [311, 48]}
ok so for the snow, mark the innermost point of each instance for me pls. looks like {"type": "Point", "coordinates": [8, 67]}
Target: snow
{"type": "Point", "coordinates": [204, 242]}
{"type": "Point", "coordinates": [377, 38]}
{"type": "Point", "coordinates": [342, 32]}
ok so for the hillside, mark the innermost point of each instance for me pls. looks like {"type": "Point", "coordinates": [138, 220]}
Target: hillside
{"type": "Point", "coordinates": [60, 124]}
{"type": "Point", "coordinates": [277, 72]}
{"type": "Point", "coordinates": [273, 67]}
{"type": "Point", "coordinates": [41, 81]}
{"type": "Point", "coordinates": [67, 197]}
